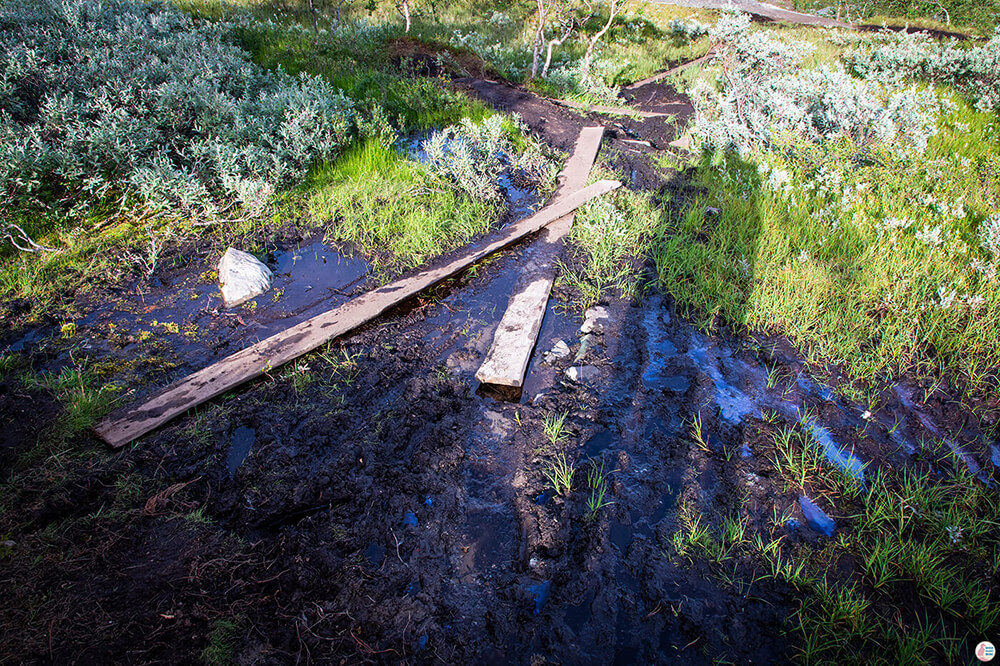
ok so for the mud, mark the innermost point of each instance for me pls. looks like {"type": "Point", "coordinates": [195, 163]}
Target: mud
{"type": "Point", "coordinates": [372, 504]}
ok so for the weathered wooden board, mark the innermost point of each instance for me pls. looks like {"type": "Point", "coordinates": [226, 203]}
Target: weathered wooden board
{"type": "Point", "coordinates": [515, 337]}
{"type": "Point", "coordinates": [613, 110]}
{"type": "Point", "coordinates": [283, 347]}
{"type": "Point", "coordinates": [670, 72]}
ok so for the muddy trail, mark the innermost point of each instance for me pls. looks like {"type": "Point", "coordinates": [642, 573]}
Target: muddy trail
{"type": "Point", "coordinates": [371, 503]}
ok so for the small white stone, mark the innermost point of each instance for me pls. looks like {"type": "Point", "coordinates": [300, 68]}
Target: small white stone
{"type": "Point", "coordinates": [592, 319]}
{"type": "Point", "coordinates": [582, 373]}
{"type": "Point", "coordinates": [559, 350]}
{"type": "Point", "coordinates": [242, 277]}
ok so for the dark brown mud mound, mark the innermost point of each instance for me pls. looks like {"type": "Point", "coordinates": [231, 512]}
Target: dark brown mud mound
{"type": "Point", "coordinates": [436, 59]}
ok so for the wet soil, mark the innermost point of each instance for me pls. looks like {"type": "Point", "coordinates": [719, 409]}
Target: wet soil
{"type": "Point", "coordinates": [373, 504]}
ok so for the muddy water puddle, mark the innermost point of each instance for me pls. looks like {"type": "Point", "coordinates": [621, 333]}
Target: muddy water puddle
{"type": "Point", "coordinates": [182, 323]}
{"type": "Point", "coordinates": [703, 375]}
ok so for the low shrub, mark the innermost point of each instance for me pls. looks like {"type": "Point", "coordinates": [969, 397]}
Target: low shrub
{"type": "Point", "coordinates": [897, 57]}
{"type": "Point", "coordinates": [472, 156]}
{"type": "Point", "coordinates": [139, 99]}
{"type": "Point", "coordinates": [762, 97]}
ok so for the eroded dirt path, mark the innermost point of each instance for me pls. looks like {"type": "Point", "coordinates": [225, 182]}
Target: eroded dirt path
{"type": "Point", "coordinates": [761, 9]}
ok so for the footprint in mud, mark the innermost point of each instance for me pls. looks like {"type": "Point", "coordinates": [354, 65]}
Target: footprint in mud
{"type": "Point", "coordinates": [240, 443]}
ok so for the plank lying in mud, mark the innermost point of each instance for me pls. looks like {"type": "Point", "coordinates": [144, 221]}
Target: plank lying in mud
{"type": "Point", "coordinates": [517, 333]}
{"type": "Point", "coordinates": [670, 72]}
{"type": "Point", "coordinates": [612, 110]}
{"type": "Point", "coordinates": [302, 338]}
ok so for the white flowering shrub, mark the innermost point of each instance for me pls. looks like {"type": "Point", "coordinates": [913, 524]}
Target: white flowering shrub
{"type": "Point", "coordinates": [689, 29]}
{"type": "Point", "coordinates": [989, 235]}
{"type": "Point", "coordinates": [763, 96]}
{"type": "Point", "coordinates": [896, 57]}
{"type": "Point", "coordinates": [472, 156]}
{"type": "Point", "coordinates": [140, 99]}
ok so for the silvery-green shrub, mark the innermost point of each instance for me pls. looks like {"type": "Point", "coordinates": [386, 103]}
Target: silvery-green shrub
{"type": "Point", "coordinates": [689, 29]}
{"type": "Point", "coordinates": [472, 156]}
{"type": "Point", "coordinates": [897, 57]}
{"type": "Point", "coordinates": [136, 98]}
{"type": "Point", "coordinates": [762, 95]}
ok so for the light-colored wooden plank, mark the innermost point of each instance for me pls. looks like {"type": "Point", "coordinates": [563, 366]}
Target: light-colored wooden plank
{"type": "Point", "coordinates": [670, 72]}
{"type": "Point", "coordinates": [302, 338]}
{"type": "Point", "coordinates": [517, 333]}
{"type": "Point", "coordinates": [611, 110]}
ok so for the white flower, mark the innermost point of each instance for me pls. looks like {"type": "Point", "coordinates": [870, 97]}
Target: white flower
{"type": "Point", "coordinates": [946, 298]}
{"type": "Point", "coordinates": [930, 236]}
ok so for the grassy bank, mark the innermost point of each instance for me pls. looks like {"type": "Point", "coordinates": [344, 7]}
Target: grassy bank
{"type": "Point", "coordinates": [238, 186]}
{"type": "Point", "coordinates": [876, 254]}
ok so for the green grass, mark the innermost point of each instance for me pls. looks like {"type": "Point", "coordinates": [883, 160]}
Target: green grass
{"type": "Point", "coordinates": [222, 642]}
{"type": "Point", "coordinates": [597, 483]}
{"type": "Point", "coordinates": [819, 265]}
{"type": "Point", "coordinates": [915, 535]}
{"type": "Point", "coordinates": [607, 236]}
{"type": "Point", "coordinates": [554, 427]}
{"type": "Point", "coordinates": [83, 401]}
{"type": "Point", "coordinates": [560, 473]}
{"type": "Point", "coordinates": [390, 208]}
{"type": "Point", "coordinates": [980, 15]}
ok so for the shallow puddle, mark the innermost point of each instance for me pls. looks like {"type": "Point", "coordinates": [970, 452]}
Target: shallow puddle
{"type": "Point", "coordinates": [239, 448]}
{"type": "Point", "coordinates": [314, 273]}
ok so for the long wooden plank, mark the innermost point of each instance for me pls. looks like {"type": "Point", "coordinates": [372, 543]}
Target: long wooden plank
{"type": "Point", "coordinates": [612, 110]}
{"type": "Point", "coordinates": [517, 333]}
{"type": "Point", "coordinates": [670, 72]}
{"type": "Point", "coordinates": [302, 338]}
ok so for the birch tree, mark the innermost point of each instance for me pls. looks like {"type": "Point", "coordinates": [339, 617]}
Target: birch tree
{"type": "Point", "coordinates": [614, 9]}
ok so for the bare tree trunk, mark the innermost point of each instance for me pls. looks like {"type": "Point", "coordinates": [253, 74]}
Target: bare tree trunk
{"type": "Point", "coordinates": [536, 47]}
{"type": "Point", "coordinates": [406, 14]}
{"type": "Point", "coordinates": [551, 47]}
{"type": "Point", "coordinates": [616, 6]}
{"type": "Point", "coordinates": [312, 12]}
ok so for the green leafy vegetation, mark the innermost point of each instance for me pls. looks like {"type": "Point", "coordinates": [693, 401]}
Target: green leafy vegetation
{"type": "Point", "coordinates": [980, 15]}
{"type": "Point", "coordinates": [560, 474]}
{"type": "Point", "coordinates": [870, 254]}
{"type": "Point", "coordinates": [84, 402]}
{"type": "Point", "coordinates": [390, 207]}
{"type": "Point", "coordinates": [222, 642]}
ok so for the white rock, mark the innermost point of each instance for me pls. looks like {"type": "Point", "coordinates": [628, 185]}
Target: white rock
{"type": "Point", "coordinates": [241, 277]}
{"type": "Point", "coordinates": [559, 350]}
{"type": "Point", "coordinates": [592, 319]}
{"type": "Point", "coordinates": [582, 373]}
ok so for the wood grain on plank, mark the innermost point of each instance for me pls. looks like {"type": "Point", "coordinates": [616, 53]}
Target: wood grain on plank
{"type": "Point", "coordinates": [612, 110]}
{"type": "Point", "coordinates": [516, 335]}
{"type": "Point", "coordinates": [288, 345]}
